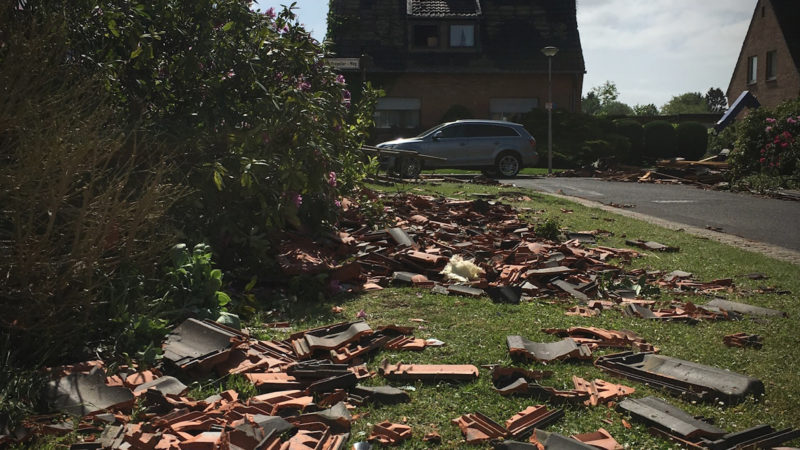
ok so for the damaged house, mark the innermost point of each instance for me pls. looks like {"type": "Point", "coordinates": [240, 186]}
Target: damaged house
{"type": "Point", "coordinates": [440, 60]}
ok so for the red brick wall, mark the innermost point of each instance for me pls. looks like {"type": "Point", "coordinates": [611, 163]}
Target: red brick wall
{"type": "Point", "coordinates": [438, 92]}
{"type": "Point", "coordinates": [765, 35]}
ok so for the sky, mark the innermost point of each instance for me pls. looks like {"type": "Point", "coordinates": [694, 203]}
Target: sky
{"type": "Point", "coordinates": [651, 49]}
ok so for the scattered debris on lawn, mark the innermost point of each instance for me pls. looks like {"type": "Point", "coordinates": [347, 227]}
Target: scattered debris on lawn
{"type": "Point", "coordinates": [683, 378]}
{"type": "Point", "coordinates": [679, 426]}
{"type": "Point", "coordinates": [567, 348]}
{"type": "Point", "coordinates": [743, 340]}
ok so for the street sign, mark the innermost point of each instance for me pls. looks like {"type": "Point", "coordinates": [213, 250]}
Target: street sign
{"type": "Point", "coordinates": [344, 63]}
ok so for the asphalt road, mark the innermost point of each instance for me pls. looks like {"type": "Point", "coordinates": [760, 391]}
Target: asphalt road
{"type": "Point", "coordinates": [771, 221]}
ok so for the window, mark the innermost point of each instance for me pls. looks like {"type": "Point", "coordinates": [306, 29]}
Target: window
{"type": "Point", "coordinates": [397, 112]}
{"type": "Point", "coordinates": [490, 131]}
{"type": "Point", "coordinates": [462, 35]}
{"type": "Point", "coordinates": [453, 131]}
{"type": "Point", "coordinates": [752, 69]}
{"type": "Point", "coordinates": [772, 65]}
{"type": "Point", "coordinates": [507, 108]}
{"type": "Point", "coordinates": [426, 36]}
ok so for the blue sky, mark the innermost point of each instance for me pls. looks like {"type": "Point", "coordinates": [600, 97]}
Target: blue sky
{"type": "Point", "coordinates": [651, 49]}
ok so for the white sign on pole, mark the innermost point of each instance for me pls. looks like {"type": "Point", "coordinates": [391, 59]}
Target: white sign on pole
{"type": "Point", "coordinates": [344, 63]}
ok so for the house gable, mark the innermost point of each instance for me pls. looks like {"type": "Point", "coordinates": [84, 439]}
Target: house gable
{"type": "Point", "coordinates": [767, 65]}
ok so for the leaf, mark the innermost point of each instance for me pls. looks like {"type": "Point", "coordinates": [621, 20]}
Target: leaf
{"type": "Point", "coordinates": [137, 51]}
{"type": "Point", "coordinates": [251, 284]}
{"type": "Point", "coordinates": [216, 274]}
{"type": "Point", "coordinates": [218, 180]}
{"type": "Point", "coordinates": [227, 26]}
{"type": "Point", "coordinates": [222, 298]}
{"type": "Point", "coordinates": [112, 26]}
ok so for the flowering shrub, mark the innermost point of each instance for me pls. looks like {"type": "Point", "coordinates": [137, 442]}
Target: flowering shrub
{"type": "Point", "coordinates": [767, 143]}
{"type": "Point", "coordinates": [262, 129]}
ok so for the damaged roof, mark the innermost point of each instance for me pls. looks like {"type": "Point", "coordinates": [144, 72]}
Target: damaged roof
{"type": "Point", "coordinates": [443, 8]}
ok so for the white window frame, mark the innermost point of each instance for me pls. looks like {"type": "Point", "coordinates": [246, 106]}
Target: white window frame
{"type": "Point", "coordinates": [752, 69]}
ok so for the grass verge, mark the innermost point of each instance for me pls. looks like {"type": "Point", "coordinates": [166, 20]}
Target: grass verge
{"type": "Point", "coordinates": [475, 332]}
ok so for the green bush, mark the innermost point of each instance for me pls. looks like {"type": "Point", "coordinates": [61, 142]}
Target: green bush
{"type": "Point", "coordinates": [726, 139]}
{"type": "Point", "coordinates": [659, 140]}
{"type": "Point", "coordinates": [634, 132]}
{"type": "Point", "coordinates": [692, 140]}
{"type": "Point", "coordinates": [264, 131]}
{"type": "Point", "coordinates": [571, 131]}
{"type": "Point", "coordinates": [767, 142]}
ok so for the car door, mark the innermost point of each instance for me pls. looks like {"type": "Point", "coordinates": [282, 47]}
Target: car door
{"type": "Point", "coordinates": [481, 145]}
{"type": "Point", "coordinates": [449, 142]}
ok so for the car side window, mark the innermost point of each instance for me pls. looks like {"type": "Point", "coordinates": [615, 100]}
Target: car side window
{"type": "Point", "coordinates": [453, 131]}
{"type": "Point", "coordinates": [490, 131]}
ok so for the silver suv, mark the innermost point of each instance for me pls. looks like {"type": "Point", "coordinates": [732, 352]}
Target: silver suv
{"type": "Point", "coordinates": [495, 147]}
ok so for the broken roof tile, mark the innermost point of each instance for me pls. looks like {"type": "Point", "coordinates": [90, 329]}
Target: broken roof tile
{"type": "Point", "coordinates": [478, 428]}
{"type": "Point", "coordinates": [400, 371]}
{"type": "Point", "coordinates": [547, 351]}
{"type": "Point", "coordinates": [388, 433]}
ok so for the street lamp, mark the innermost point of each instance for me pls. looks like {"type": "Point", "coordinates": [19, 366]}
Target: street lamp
{"type": "Point", "coordinates": [549, 51]}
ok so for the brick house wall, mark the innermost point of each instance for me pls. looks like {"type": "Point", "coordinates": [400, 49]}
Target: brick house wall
{"type": "Point", "coordinates": [771, 31]}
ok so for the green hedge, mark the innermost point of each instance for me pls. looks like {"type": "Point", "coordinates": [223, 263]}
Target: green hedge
{"type": "Point", "coordinates": [692, 140]}
{"type": "Point", "coordinates": [633, 131]}
{"type": "Point", "coordinates": [659, 140]}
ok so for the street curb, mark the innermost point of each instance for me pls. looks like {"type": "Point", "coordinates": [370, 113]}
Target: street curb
{"type": "Point", "coordinates": [773, 251]}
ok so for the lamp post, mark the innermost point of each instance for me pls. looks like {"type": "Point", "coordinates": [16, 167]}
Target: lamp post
{"type": "Point", "coordinates": [549, 51]}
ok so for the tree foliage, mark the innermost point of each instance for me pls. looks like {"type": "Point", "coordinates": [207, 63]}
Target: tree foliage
{"type": "Point", "coordinates": [603, 100]}
{"type": "Point", "coordinates": [688, 103]}
{"type": "Point", "coordinates": [716, 100]}
{"type": "Point", "coordinates": [645, 110]}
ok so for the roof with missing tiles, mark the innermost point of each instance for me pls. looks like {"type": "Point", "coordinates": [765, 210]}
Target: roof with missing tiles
{"type": "Point", "coordinates": [443, 8]}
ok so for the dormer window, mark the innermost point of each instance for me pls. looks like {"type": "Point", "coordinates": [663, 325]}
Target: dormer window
{"type": "Point", "coordinates": [462, 36]}
{"type": "Point", "coordinates": [426, 36]}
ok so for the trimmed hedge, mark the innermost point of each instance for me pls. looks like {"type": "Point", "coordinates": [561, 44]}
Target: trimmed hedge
{"type": "Point", "coordinates": [660, 140]}
{"type": "Point", "coordinates": [633, 131]}
{"type": "Point", "coordinates": [692, 140]}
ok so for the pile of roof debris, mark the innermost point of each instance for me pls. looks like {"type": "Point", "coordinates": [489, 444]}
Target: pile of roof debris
{"type": "Point", "coordinates": [309, 383]}
{"type": "Point", "coordinates": [708, 172]}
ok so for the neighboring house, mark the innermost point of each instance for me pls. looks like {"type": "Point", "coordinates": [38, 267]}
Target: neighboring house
{"type": "Point", "coordinates": [440, 60]}
{"type": "Point", "coordinates": [769, 61]}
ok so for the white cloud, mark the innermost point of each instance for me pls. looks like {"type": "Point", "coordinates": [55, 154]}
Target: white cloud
{"type": "Point", "coordinates": [654, 50]}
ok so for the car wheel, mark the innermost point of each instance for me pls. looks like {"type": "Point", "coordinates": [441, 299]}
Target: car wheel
{"type": "Point", "coordinates": [409, 167]}
{"type": "Point", "coordinates": [507, 165]}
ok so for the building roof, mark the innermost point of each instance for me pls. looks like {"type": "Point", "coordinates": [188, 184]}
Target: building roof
{"type": "Point", "coordinates": [509, 35]}
{"type": "Point", "coordinates": [443, 8]}
{"type": "Point", "coordinates": [788, 13]}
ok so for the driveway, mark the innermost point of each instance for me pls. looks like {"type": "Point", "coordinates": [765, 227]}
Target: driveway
{"type": "Point", "coordinates": [770, 221]}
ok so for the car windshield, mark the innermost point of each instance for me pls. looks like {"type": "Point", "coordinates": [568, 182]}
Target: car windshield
{"type": "Point", "coordinates": [430, 130]}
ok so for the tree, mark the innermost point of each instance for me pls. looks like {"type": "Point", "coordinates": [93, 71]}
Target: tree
{"type": "Point", "coordinates": [645, 110]}
{"type": "Point", "coordinates": [590, 104]}
{"type": "Point", "coordinates": [616, 108]}
{"type": "Point", "coordinates": [688, 103]}
{"type": "Point", "coordinates": [716, 101]}
{"type": "Point", "coordinates": [602, 100]}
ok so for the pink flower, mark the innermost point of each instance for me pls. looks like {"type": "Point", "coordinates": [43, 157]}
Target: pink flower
{"type": "Point", "coordinates": [763, 150]}
{"type": "Point", "coordinates": [340, 79]}
{"type": "Point", "coordinates": [771, 120]}
{"type": "Point", "coordinates": [304, 86]}
{"type": "Point", "coordinates": [270, 12]}
{"type": "Point", "coordinates": [346, 97]}
{"type": "Point", "coordinates": [332, 179]}
{"type": "Point", "coordinates": [784, 144]}
{"type": "Point", "coordinates": [762, 160]}
{"type": "Point", "coordinates": [337, 203]}
{"type": "Point", "coordinates": [298, 200]}
{"type": "Point", "coordinates": [791, 121]}
{"type": "Point", "coordinates": [768, 129]}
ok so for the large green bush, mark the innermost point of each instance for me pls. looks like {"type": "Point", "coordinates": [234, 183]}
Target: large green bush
{"type": "Point", "coordinates": [767, 142]}
{"type": "Point", "coordinates": [659, 140]}
{"type": "Point", "coordinates": [692, 140]}
{"type": "Point", "coordinates": [259, 126]}
{"type": "Point", "coordinates": [634, 132]}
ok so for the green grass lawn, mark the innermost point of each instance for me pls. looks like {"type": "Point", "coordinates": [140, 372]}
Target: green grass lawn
{"type": "Point", "coordinates": [475, 331]}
